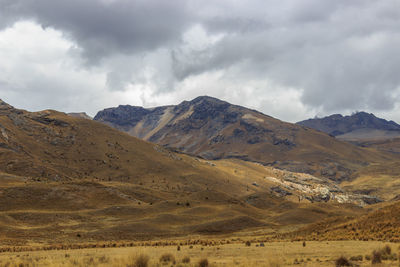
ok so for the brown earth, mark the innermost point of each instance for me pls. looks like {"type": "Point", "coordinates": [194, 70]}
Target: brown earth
{"type": "Point", "coordinates": [72, 180]}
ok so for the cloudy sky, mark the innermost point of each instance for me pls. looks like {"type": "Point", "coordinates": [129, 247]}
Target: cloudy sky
{"type": "Point", "coordinates": [291, 59]}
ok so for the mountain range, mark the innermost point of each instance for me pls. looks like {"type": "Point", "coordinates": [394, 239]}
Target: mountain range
{"type": "Point", "coordinates": [213, 129]}
{"type": "Point", "coordinates": [66, 179]}
{"type": "Point", "coordinates": [203, 167]}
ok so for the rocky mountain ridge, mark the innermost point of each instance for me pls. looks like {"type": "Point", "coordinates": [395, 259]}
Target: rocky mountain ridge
{"type": "Point", "coordinates": [359, 124]}
{"type": "Point", "coordinates": [215, 129]}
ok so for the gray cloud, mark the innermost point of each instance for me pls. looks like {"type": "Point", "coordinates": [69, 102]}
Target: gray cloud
{"type": "Point", "coordinates": [101, 28]}
{"type": "Point", "coordinates": [334, 55]}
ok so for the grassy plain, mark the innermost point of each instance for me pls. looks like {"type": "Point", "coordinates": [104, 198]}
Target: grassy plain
{"type": "Point", "coordinates": [235, 254]}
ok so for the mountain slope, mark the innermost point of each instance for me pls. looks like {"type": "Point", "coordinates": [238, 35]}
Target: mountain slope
{"type": "Point", "coordinates": [360, 125]}
{"type": "Point", "coordinates": [70, 180]}
{"type": "Point", "coordinates": [214, 129]}
{"type": "Point", "coordinates": [381, 224]}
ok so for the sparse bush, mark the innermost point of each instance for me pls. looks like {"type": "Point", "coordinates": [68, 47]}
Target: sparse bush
{"type": "Point", "coordinates": [203, 263]}
{"type": "Point", "coordinates": [376, 257]}
{"type": "Point", "coordinates": [342, 261]}
{"type": "Point", "coordinates": [367, 257]}
{"type": "Point", "coordinates": [178, 248]}
{"type": "Point", "coordinates": [186, 259]}
{"type": "Point", "coordinates": [304, 243]}
{"type": "Point", "coordinates": [248, 243]}
{"type": "Point", "coordinates": [167, 257]}
{"type": "Point", "coordinates": [141, 261]}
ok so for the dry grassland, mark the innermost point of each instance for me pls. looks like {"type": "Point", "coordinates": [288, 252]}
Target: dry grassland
{"type": "Point", "coordinates": [238, 254]}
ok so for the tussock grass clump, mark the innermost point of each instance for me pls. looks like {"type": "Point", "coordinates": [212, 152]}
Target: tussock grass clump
{"type": "Point", "coordinates": [203, 263]}
{"type": "Point", "coordinates": [166, 258]}
{"type": "Point", "coordinates": [342, 261]}
{"type": "Point", "coordinates": [376, 257]}
{"type": "Point", "coordinates": [356, 258]}
{"type": "Point", "coordinates": [141, 261]}
{"type": "Point", "coordinates": [384, 253]}
{"type": "Point", "coordinates": [387, 250]}
{"type": "Point", "coordinates": [186, 259]}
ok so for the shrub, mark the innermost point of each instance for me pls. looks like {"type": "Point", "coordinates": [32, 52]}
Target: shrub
{"type": "Point", "coordinates": [304, 243]}
{"type": "Point", "coordinates": [167, 257]}
{"type": "Point", "coordinates": [376, 257]}
{"type": "Point", "coordinates": [342, 261]}
{"type": "Point", "coordinates": [248, 243]}
{"type": "Point", "coordinates": [178, 248]}
{"type": "Point", "coordinates": [142, 261]}
{"type": "Point", "coordinates": [203, 263]}
{"type": "Point", "coordinates": [186, 259]}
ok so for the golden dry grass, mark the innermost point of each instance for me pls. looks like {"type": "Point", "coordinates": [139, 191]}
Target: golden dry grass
{"type": "Point", "coordinates": [381, 224]}
{"type": "Point", "coordinates": [271, 254]}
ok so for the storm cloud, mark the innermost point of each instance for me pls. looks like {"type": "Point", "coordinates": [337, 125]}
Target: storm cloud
{"type": "Point", "coordinates": [289, 59]}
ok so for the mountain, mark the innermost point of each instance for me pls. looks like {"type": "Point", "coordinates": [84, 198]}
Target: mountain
{"type": "Point", "coordinates": [358, 126]}
{"type": "Point", "coordinates": [215, 129]}
{"type": "Point", "coordinates": [71, 180]}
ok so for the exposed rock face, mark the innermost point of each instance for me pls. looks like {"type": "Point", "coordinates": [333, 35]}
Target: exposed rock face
{"type": "Point", "coordinates": [123, 117]}
{"type": "Point", "coordinates": [338, 125]}
{"type": "Point", "coordinates": [214, 129]}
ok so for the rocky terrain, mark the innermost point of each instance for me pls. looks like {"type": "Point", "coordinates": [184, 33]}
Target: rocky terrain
{"type": "Point", "coordinates": [214, 129]}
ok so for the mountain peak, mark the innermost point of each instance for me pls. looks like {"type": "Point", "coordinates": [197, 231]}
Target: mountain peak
{"type": "Point", "coordinates": [338, 125]}
{"type": "Point", "coordinates": [205, 97]}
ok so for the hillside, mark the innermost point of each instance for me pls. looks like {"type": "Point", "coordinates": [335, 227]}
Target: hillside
{"type": "Point", "coordinates": [214, 129]}
{"type": "Point", "coordinates": [381, 224]}
{"type": "Point", "coordinates": [358, 126]}
{"type": "Point", "coordinates": [71, 180]}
